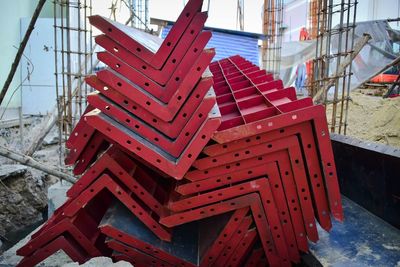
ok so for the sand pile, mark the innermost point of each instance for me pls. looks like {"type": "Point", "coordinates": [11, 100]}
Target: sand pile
{"type": "Point", "coordinates": [373, 118]}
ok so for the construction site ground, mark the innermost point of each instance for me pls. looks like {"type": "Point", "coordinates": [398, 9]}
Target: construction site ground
{"type": "Point", "coordinates": [372, 118]}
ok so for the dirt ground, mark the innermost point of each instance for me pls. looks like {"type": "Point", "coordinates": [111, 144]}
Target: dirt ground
{"type": "Point", "coordinates": [372, 118]}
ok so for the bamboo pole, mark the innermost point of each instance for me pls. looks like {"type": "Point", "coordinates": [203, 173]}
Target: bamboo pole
{"type": "Point", "coordinates": [28, 161]}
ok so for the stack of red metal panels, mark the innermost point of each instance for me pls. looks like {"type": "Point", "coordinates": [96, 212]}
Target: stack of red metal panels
{"type": "Point", "coordinates": [181, 167]}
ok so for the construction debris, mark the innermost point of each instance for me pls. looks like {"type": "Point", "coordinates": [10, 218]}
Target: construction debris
{"type": "Point", "coordinates": [28, 161]}
{"type": "Point", "coordinates": [372, 118]}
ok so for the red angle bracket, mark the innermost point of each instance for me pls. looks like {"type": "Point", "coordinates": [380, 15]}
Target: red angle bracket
{"type": "Point", "coordinates": [125, 196]}
{"type": "Point", "coordinates": [139, 44]}
{"type": "Point", "coordinates": [170, 129]}
{"type": "Point", "coordinates": [173, 147]}
{"type": "Point", "coordinates": [181, 53]}
{"type": "Point", "coordinates": [115, 163]}
{"type": "Point", "coordinates": [251, 200]}
{"type": "Point", "coordinates": [175, 167]}
{"type": "Point", "coordinates": [313, 114]}
{"type": "Point", "coordinates": [64, 243]}
{"type": "Point", "coordinates": [147, 94]}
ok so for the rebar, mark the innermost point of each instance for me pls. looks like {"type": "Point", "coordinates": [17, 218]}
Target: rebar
{"type": "Point", "coordinates": [73, 45]}
{"type": "Point", "coordinates": [272, 28]}
{"type": "Point", "coordinates": [333, 44]}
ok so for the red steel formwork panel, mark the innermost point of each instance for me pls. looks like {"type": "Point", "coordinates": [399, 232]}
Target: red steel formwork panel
{"type": "Point", "coordinates": [117, 164]}
{"type": "Point", "coordinates": [125, 196]}
{"type": "Point", "coordinates": [257, 186]}
{"type": "Point", "coordinates": [306, 137]}
{"type": "Point", "coordinates": [282, 176]}
{"type": "Point", "coordinates": [174, 147]}
{"type": "Point", "coordinates": [245, 122]}
{"type": "Point", "coordinates": [130, 140]}
{"type": "Point", "coordinates": [189, 247]}
{"type": "Point", "coordinates": [79, 236]}
{"type": "Point", "coordinates": [146, 46]}
{"type": "Point", "coordinates": [170, 129]}
{"type": "Point", "coordinates": [243, 249]}
{"type": "Point", "coordinates": [68, 245]}
{"type": "Point", "coordinates": [265, 232]}
{"type": "Point", "coordinates": [181, 53]}
{"type": "Point", "coordinates": [176, 91]}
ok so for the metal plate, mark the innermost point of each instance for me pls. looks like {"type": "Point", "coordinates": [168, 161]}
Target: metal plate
{"type": "Point", "coordinates": [170, 129]}
{"type": "Point", "coordinates": [181, 53]}
{"type": "Point", "coordinates": [243, 249]}
{"type": "Point", "coordinates": [64, 243]}
{"type": "Point", "coordinates": [131, 83]}
{"type": "Point", "coordinates": [128, 37]}
{"type": "Point", "coordinates": [231, 244]}
{"type": "Point", "coordinates": [140, 258]}
{"type": "Point", "coordinates": [128, 139]}
{"type": "Point", "coordinates": [97, 144]}
{"type": "Point", "coordinates": [271, 208]}
{"type": "Point", "coordinates": [119, 224]}
{"type": "Point", "coordinates": [125, 196]}
{"type": "Point", "coordinates": [174, 147]}
{"type": "Point", "coordinates": [120, 167]}
{"type": "Point", "coordinates": [81, 228]}
{"type": "Point", "coordinates": [265, 166]}
{"type": "Point", "coordinates": [306, 137]}
{"type": "Point", "coordinates": [226, 234]}
{"type": "Point", "coordinates": [295, 161]}
{"type": "Point", "coordinates": [147, 101]}
{"type": "Point", "coordinates": [316, 116]}
{"type": "Point", "coordinates": [252, 200]}
{"type": "Point", "coordinates": [254, 186]}
{"type": "Point", "coordinates": [80, 133]}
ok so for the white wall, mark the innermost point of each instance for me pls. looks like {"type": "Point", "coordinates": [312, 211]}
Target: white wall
{"type": "Point", "coordinates": [296, 14]}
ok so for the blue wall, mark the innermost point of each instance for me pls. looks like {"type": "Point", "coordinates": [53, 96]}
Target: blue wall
{"type": "Point", "coordinates": [227, 45]}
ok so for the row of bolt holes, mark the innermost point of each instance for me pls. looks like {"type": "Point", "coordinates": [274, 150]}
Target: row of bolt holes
{"type": "Point", "coordinates": [126, 102]}
{"type": "Point", "coordinates": [269, 146]}
{"type": "Point", "coordinates": [154, 120]}
{"type": "Point", "coordinates": [177, 79]}
{"type": "Point", "coordinates": [148, 103]}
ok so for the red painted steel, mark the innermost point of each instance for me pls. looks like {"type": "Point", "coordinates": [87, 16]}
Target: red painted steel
{"type": "Point", "coordinates": [105, 182]}
{"type": "Point", "coordinates": [132, 241]}
{"type": "Point", "coordinates": [306, 137]}
{"type": "Point", "coordinates": [97, 144]}
{"type": "Point", "coordinates": [80, 133]}
{"type": "Point", "coordinates": [177, 94]}
{"type": "Point", "coordinates": [255, 257]}
{"type": "Point", "coordinates": [181, 53]}
{"type": "Point", "coordinates": [234, 241]}
{"type": "Point", "coordinates": [140, 258]}
{"type": "Point", "coordinates": [126, 35]}
{"type": "Point", "coordinates": [81, 228]}
{"type": "Point", "coordinates": [256, 186]}
{"type": "Point", "coordinates": [64, 243]}
{"type": "Point", "coordinates": [170, 129]}
{"type": "Point", "coordinates": [173, 147]}
{"type": "Point", "coordinates": [264, 166]}
{"type": "Point", "coordinates": [313, 114]}
{"type": "Point", "coordinates": [226, 234]}
{"type": "Point", "coordinates": [253, 201]}
{"type": "Point", "coordinates": [287, 114]}
{"type": "Point", "coordinates": [243, 249]}
{"type": "Point", "coordinates": [128, 139]}
{"type": "Point", "coordinates": [116, 163]}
